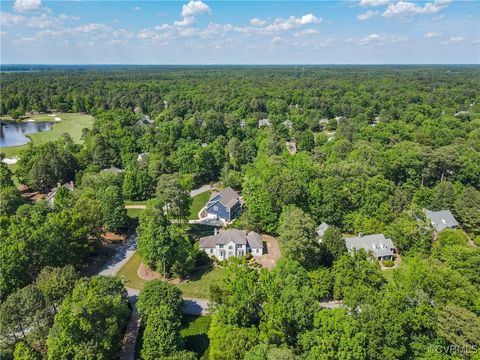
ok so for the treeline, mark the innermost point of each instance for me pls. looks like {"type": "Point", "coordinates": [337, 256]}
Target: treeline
{"type": "Point", "coordinates": [317, 91]}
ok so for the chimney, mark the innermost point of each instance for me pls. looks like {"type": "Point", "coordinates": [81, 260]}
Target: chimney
{"type": "Point", "coordinates": [215, 231]}
{"type": "Point", "coordinates": [72, 184]}
{"type": "Point", "coordinates": [58, 184]}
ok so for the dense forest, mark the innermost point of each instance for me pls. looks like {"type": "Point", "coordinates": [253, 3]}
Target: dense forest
{"type": "Point", "coordinates": [374, 146]}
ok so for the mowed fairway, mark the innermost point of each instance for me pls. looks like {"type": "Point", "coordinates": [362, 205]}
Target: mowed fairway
{"type": "Point", "coordinates": [72, 124]}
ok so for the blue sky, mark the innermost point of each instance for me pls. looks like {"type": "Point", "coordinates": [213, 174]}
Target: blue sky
{"type": "Point", "coordinates": [240, 32]}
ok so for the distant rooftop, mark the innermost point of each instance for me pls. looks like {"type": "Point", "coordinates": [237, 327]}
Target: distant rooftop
{"type": "Point", "coordinates": [441, 219]}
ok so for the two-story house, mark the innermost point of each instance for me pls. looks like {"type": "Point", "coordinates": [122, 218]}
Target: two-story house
{"type": "Point", "coordinates": [232, 242]}
{"type": "Point", "coordinates": [225, 205]}
{"type": "Point", "coordinates": [382, 248]}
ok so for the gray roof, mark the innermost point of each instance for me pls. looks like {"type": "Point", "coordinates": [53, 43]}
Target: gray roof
{"type": "Point", "coordinates": [228, 197]}
{"type": "Point", "coordinates": [322, 228]}
{"type": "Point", "coordinates": [51, 195]}
{"type": "Point", "coordinates": [239, 237]}
{"type": "Point", "coordinates": [441, 219]}
{"type": "Point", "coordinates": [113, 170]}
{"type": "Point", "coordinates": [376, 243]}
{"type": "Point", "coordinates": [263, 122]}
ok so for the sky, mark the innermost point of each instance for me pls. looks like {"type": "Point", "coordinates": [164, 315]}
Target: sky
{"type": "Point", "coordinates": [240, 32]}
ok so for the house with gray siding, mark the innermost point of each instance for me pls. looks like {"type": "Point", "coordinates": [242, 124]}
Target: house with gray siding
{"type": "Point", "coordinates": [381, 247]}
{"type": "Point", "coordinates": [442, 219]}
{"type": "Point", "coordinates": [232, 242]}
{"type": "Point", "coordinates": [225, 205]}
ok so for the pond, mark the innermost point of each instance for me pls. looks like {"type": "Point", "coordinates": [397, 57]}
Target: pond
{"type": "Point", "coordinates": [13, 134]}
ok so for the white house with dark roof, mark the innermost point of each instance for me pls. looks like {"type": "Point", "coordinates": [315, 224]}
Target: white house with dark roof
{"type": "Point", "coordinates": [232, 242]}
{"type": "Point", "coordinates": [442, 219]}
{"type": "Point", "coordinates": [381, 247]}
{"type": "Point", "coordinates": [225, 205]}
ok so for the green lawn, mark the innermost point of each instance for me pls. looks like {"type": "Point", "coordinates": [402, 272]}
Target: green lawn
{"type": "Point", "coordinates": [72, 124]}
{"type": "Point", "coordinates": [197, 287]}
{"type": "Point", "coordinates": [129, 273]}
{"type": "Point", "coordinates": [195, 334]}
{"type": "Point", "coordinates": [198, 202]}
{"type": "Point", "coordinates": [134, 213]}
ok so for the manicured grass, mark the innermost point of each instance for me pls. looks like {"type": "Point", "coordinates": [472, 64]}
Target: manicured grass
{"type": "Point", "coordinates": [72, 124]}
{"type": "Point", "coordinates": [195, 334]}
{"type": "Point", "coordinates": [129, 273]}
{"type": "Point", "coordinates": [133, 202]}
{"type": "Point", "coordinates": [197, 287]}
{"type": "Point", "coordinates": [200, 282]}
{"type": "Point", "coordinates": [134, 213]}
{"type": "Point", "coordinates": [198, 202]}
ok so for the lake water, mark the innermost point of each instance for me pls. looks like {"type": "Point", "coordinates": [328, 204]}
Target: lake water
{"type": "Point", "coordinates": [13, 134]}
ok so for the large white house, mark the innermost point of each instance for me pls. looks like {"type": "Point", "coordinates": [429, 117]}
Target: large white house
{"type": "Point", "coordinates": [232, 242]}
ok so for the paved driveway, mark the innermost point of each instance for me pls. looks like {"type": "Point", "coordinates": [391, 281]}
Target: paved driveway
{"type": "Point", "coordinates": [121, 257]}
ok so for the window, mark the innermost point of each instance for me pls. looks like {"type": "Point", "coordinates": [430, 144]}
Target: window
{"type": "Point", "coordinates": [211, 251]}
{"type": "Point", "coordinates": [230, 247]}
{"type": "Point", "coordinates": [258, 250]}
{"type": "Point", "coordinates": [215, 208]}
{"type": "Point", "coordinates": [221, 246]}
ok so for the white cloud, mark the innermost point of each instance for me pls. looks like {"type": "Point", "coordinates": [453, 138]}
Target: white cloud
{"type": "Point", "coordinates": [367, 15]}
{"type": "Point", "coordinates": [379, 40]}
{"type": "Point", "coordinates": [309, 19]}
{"type": "Point", "coordinates": [406, 8]}
{"type": "Point", "coordinates": [431, 34]}
{"type": "Point", "coordinates": [136, 8]}
{"type": "Point", "coordinates": [195, 7]}
{"type": "Point", "coordinates": [257, 22]}
{"type": "Point", "coordinates": [90, 28]}
{"type": "Point", "coordinates": [280, 24]}
{"type": "Point", "coordinates": [7, 19]}
{"type": "Point", "coordinates": [454, 40]}
{"type": "Point", "coordinates": [372, 38]}
{"type": "Point", "coordinates": [26, 5]}
{"type": "Point", "coordinates": [374, 2]}
{"type": "Point", "coordinates": [186, 21]}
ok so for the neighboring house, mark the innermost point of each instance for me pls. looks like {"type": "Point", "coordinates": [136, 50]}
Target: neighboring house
{"type": "Point", "coordinates": [232, 242]}
{"type": "Point", "coordinates": [263, 122]}
{"type": "Point", "coordinates": [381, 247]}
{"type": "Point", "coordinates": [441, 219]}
{"type": "Point", "coordinates": [113, 170]}
{"type": "Point", "coordinates": [243, 124]}
{"type": "Point", "coordinates": [143, 157]}
{"type": "Point", "coordinates": [225, 205]}
{"type": "Point", "coordinates": [145, 120]}
{"type": "Point", "coordinates": [288, 124]}
{"type": "Point", "coordinates": [291, 147]}
{"type": "Point", "coordinates": [321, 229]}
{"type": "Point", "coordinates": [51, 195]}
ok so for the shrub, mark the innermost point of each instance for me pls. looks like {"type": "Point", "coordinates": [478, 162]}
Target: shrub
{"type": "Point", "coordinates": [388, 263]}
{"type": "Point", "coordinates": [476, 240]}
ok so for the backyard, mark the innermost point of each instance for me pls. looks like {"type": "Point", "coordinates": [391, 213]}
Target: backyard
{"type": "Point", "coordinates": [71, 123]}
